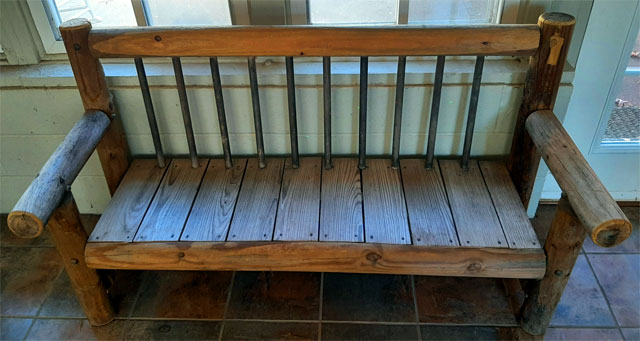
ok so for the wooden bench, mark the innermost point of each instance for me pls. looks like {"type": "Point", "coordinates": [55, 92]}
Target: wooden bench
{"type": "Point", "coordinates": [426, 216]}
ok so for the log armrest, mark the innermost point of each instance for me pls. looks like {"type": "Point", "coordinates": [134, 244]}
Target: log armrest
{"type": "Point", "coordinates": [33, 210]}
{"type": "Point", "coordinates": [599, 213]}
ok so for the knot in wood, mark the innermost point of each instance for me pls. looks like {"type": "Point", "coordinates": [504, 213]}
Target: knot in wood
{"type": "Point", "coordinates": [474, 267]}
{"type": "Point", "coordinates": [181, 255]}
{"type": "Point", "coordinates": [373, 257]}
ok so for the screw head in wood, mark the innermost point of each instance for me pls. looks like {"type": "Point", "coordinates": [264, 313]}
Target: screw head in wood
{"type": "Point", "coordinates": [76, 47]}
{"type": "Point", "coordinates": [181, 255]}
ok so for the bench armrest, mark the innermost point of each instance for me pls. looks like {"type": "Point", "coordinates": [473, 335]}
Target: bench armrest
{"type": "Point", "coordinates": [599, 213]}
{"type": "Point", "coordinates": [33, 210]}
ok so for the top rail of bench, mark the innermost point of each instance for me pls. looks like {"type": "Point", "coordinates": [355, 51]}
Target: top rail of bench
{"type": "Point", "coordinates": [478, 40]}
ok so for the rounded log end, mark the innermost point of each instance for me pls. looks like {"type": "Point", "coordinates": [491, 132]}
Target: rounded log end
{"type": "Point", "coordinates": [75, 24]}
{"type": "Point", "coordinates": [556, 19]}
{"type": "Point", "coordinates": [611, 233]}
{"type": "Point", "coordinates": [24, 224]}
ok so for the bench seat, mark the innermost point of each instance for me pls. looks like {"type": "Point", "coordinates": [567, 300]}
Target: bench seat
{"type": "Point", "coordinates": [439, 221]}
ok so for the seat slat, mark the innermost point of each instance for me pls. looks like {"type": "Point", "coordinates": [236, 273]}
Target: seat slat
{"type": "Point", "coordinates": [299, 204]}
{"type": "Point", "coordinates": [125, 211]}
{"type": "Point", "coordinates": [385, 212]}
{"type": "Point", "coordinates": [171, 205]}
{"type": "Point", "coordinates": [341, 203]}
{"type": "Point", "coordinates": [515, 222]}
{"type": "Point", "coordinates": [471, 206]}
{"type": "Point", "coordinates": [429, 212]}
{"type": "Point", "coordinates": [211, 214]}
{"type": "Point", "coordinates": [255, 212]}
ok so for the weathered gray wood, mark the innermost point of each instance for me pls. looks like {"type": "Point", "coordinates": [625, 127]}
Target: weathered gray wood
{"type": "Point", "coordinates": [255, 212]}
{"type": "Point", "coordinates": [299, 204]}
{"type": "Point", "coordinates": [385, 212]}
{"type": "Point", "coordinates": [170, 207]}
{"type": "Point", "coordinates": [33, 210]}
{"type": "Point", "coordinates": [341, 204]}
{"type": "Point", "coordinates": [429, 212]}
{"type": "Point", "coordinates": [122, 217]}
{"type": "Point", "coordinates": [211, 214]}
{"type": "Point", "coordinates": [471, 206]}
{"type": "Point", "coordinates": [599, 213]}
{"type": "Point", "coordinates": [516, 225]}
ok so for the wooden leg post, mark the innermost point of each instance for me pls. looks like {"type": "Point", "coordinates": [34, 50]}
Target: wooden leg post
{"type": "Point", "coordinates": [70, 238]}
{"type": "Point", "coordinates": [562, 247]}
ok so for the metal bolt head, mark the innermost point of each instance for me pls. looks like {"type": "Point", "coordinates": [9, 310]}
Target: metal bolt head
{"type": "Point", "coordinates": [157, 38]}
{"type": "Point", "coordinates": [74, 261]}
{"type": "Point", "coordinates": [558, 273]}
{"type": "Point", "coordinates": [76, 47]}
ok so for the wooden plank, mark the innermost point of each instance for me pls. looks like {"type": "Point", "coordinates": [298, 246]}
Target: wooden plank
{"type": "Point", "coordinates": [299, 206]}
{"type": "Point", "coordinates": [255, 213]}
{"type": "Point", "coordinates": [427, 204]}
{"type": "Point", "coordinates": [315, 41]}
{"type": "Point", "coordinates": [170, 207]}
{"type": "Point", "coordinates": [341, 203]}
{"type": "Point", "coordinates": [319, 256]}
{"type": "Point", "coordinates": [125, 211]}
{"type": "Point", "coordinates": [385, 211]}
{"type": "Point", "coordinates": [471, 206]}
{"type": "Point", "coordinates": [516, 225]}
{"type": "Point", "coordinates": [211, 214]}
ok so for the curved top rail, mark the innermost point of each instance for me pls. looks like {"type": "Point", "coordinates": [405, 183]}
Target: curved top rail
{"type": "Point", "coordinates": [497, 40]}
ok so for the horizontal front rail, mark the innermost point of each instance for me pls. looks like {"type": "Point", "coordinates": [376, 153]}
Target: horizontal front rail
{"type": "Point", "coordinates": [480, 40]}
{"type": "Point", "coordinates": [319, 257]}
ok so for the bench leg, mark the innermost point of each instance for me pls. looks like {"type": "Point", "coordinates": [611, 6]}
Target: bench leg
{"type": "Point", "coordinates": [70, 238]}
{"type": "Point", "coordinates": [562, 247]}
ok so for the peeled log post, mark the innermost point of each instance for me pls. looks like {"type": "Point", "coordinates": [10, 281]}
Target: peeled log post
{"type": "Point", "coordinates": [33, 210]}
{"type": "Point", "coordinates": [599, 213]}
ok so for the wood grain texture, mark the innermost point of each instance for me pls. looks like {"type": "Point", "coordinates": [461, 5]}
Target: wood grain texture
{"type": "Point", "coordinates": [122, 217]}
{"type": "Point", "coordinates": [255, 212]}
{"type": "Point", "coordinates": [37, 203]}
{"type": "Point", "coordinates": [471, 206]}
{"type": "Point", "coordinates": [592, 203]}
{"type": "Point", "coordinates": [540, 91]}
{"type": "Point", "coordinates": [341, 203]}
{"type": "Point", "coordinates": [299, 205]}
{"type": "Point", "coordinates": [70, 238]}
{"type": "Point", "coordinates": [385, 211]}
{"type": "Point", "coordinates": [170, 207]}
{"type": "Point", "coordinates": [427, 205]}
{"type": "Point", "coordinates": [319, 256]}
{"type": "Point", "coordinates": [212, 211]}
{"type": "Point", "coordinates": [315, 41]}
{"type": "Point", "coordinates": [516, 225]}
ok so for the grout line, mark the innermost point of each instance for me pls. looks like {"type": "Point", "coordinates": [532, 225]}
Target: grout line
{"type": "Point", "coordinates": [226, 305]}
{"type": "Point", "coordinates": [33, 321]}
{"type": "Point", "coordinates": [320, 305]}
{"type": "Point", "coordinates": [143, 281]}
{"type": "Point", "coordinates": [415, 306]}
{"type": "Point", "coordinates": [604, 293]}
{"type": "Point", "coordinates": [45, 299]}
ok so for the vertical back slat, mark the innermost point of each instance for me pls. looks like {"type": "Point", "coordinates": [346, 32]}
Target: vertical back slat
{"type": "Point", "coordinates": [397, 118]}
{"type": "Point", "coordinates": [326, 90]}
{"type": "Point", "coordinates": [364, 79]}
{"type": "Point", "coordinates": [186, 114]}
{"type": "Point", "coordinates": [435, 111]}
{"type": "Point", "coordinates": [293, 121]}
{"type": "Point", "coordinates": [222, 117]}
{"type": "Point", "coordinates": [473, 107]}
{"type": "Point", "coordinates": [151, 115]}
{"type": "Point", "coordinates": [257, 118]}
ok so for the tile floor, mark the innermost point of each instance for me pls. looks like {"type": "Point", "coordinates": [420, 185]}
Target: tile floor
{"type": "Point", "coordinates": [601, 302]}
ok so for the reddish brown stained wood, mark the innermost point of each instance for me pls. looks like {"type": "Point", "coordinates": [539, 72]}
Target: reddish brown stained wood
{"type": "Point", "coordinates": [341, 202]}
{"type": "Point", "coordinates": [315, 41]}
{"type": "Point", "coordinates": [319, 257]}
{"type": "Point", "coordinates": [211, 214]}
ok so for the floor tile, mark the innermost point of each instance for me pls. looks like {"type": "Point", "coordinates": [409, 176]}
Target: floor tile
{"type": "Point", "coordinates": [480, 301]}
{"type": "Point", "coordinates": [275, 296]}
{"type": "Point", "coordinates": [619, 276]}
{"type": "Point", "coordinates": [63, 302]}
{"type": "Point", "coordinates": [74, 329]}
{"type": "Point", "coordinates": [458, 333]}
{"type": "Point", "coordinates": [582, 334]}
{"type": "Point", "coordinates": [631, 333]}
{"type": "Point", "coordinates": [7, 238]}
{"type": "Point", "coordinates": [255, 330]}
{"type": "Point", "coordinates": [356, 297]}
{"type": "Point", "coordinates": [27, 277]}
{"type": "Point", "coordinates": [358, 331]}
{"type": "Point", "coordinates": [631, 245]}
{"type": "Point", "coordinates": [582, 302]}
{"type": "Point", "coordinates": [183, 294]}
{"type": "Point", "coordinates": [14, 328]}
